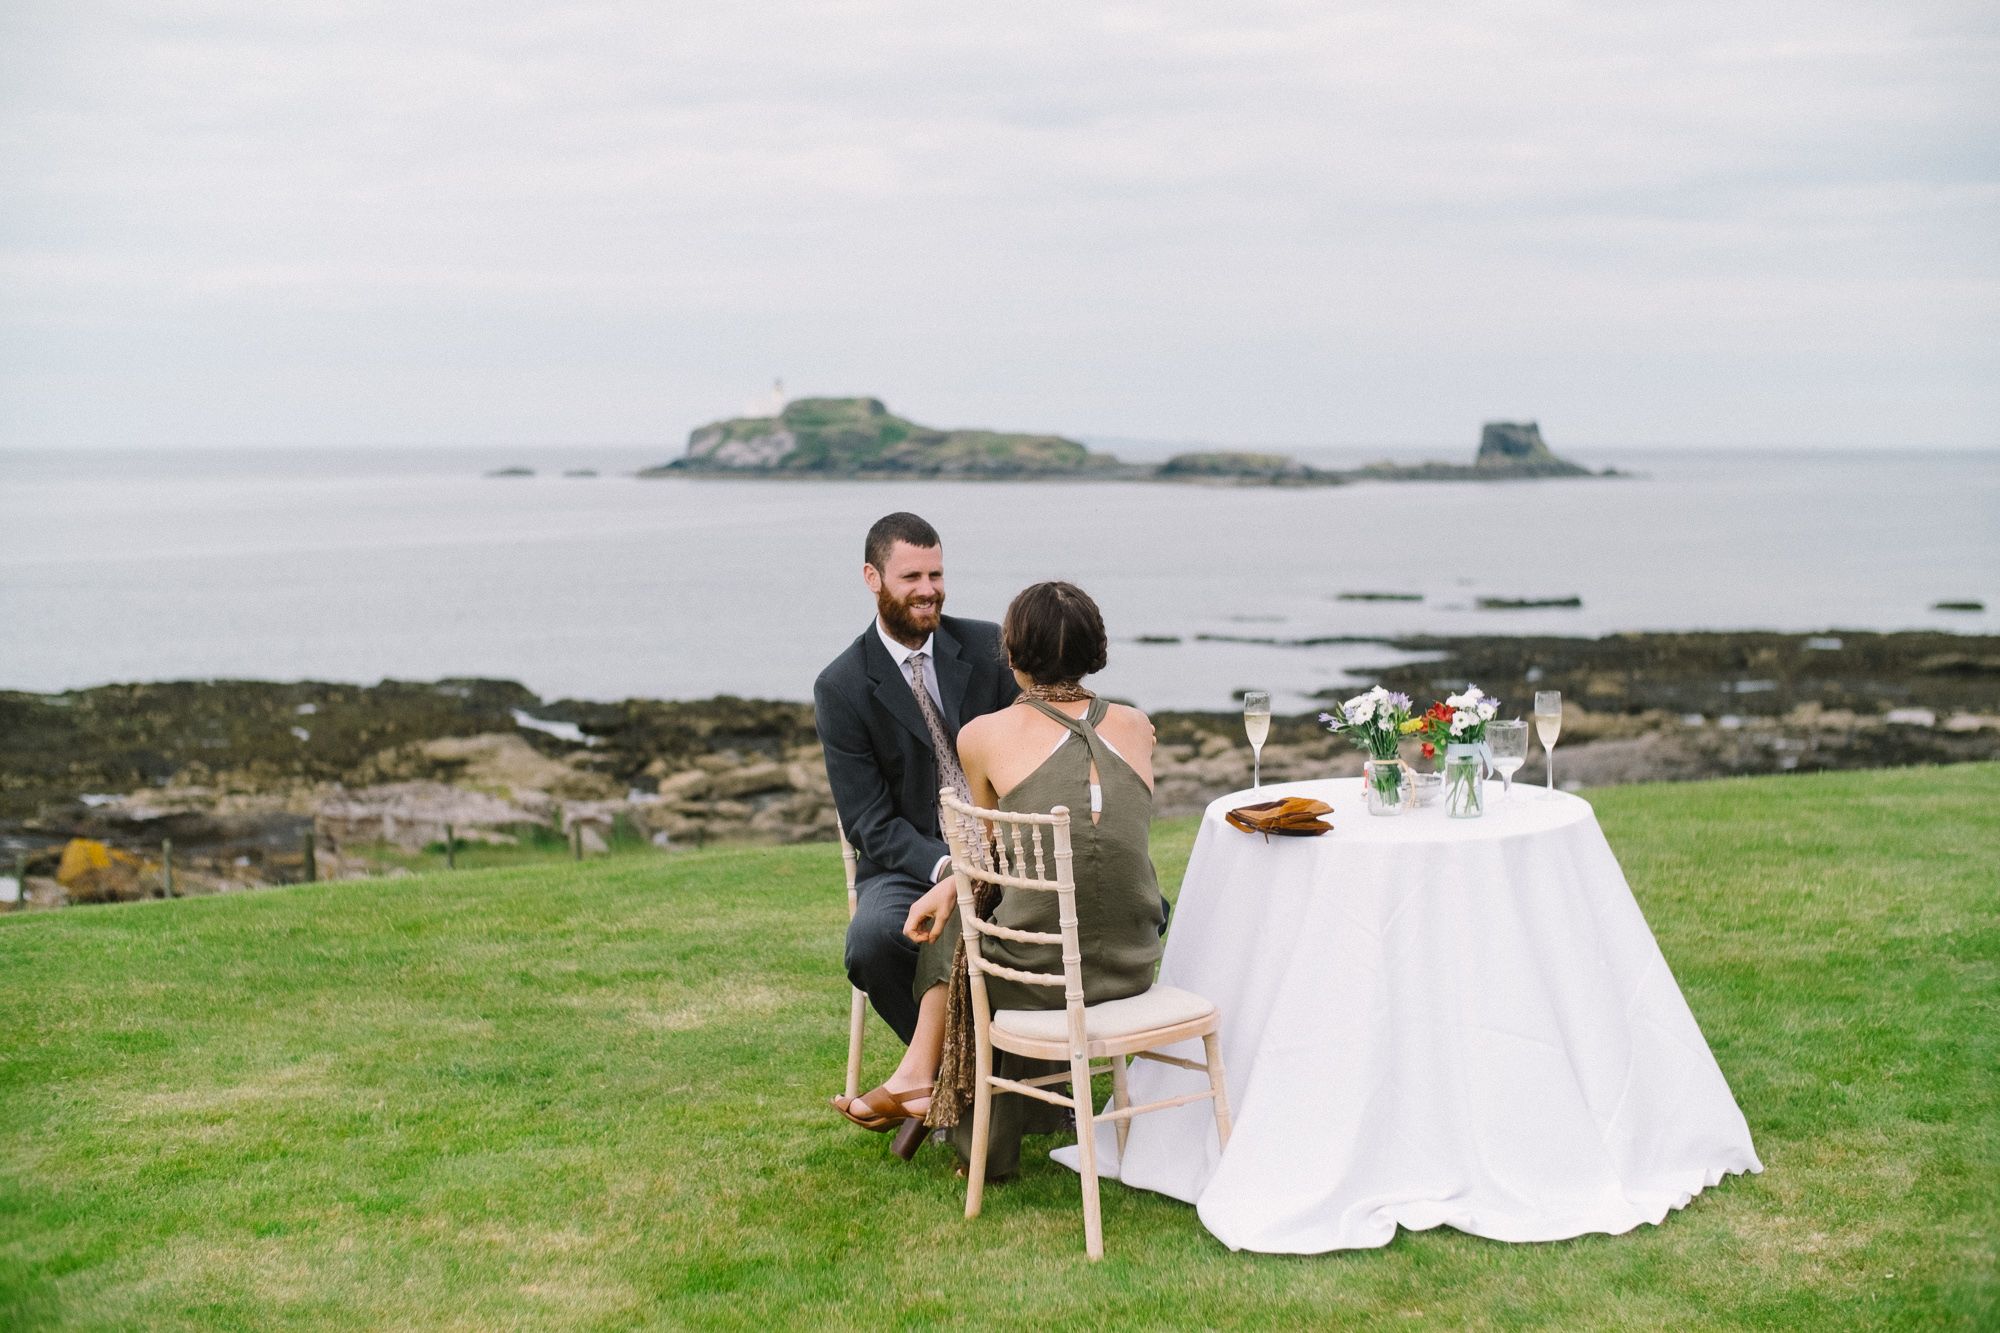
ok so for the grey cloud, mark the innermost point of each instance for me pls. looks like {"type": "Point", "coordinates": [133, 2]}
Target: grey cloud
{"type": "Point", "coordinates": [1274, 222]}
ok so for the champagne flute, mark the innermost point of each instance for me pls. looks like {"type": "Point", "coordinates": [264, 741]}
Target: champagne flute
{"type": "Point", "coordinates": [1257, 726]}
{"type": "Point", "coordinates": [1549, 725]}
{"type": "Point", "coordinates": [1509, 742]}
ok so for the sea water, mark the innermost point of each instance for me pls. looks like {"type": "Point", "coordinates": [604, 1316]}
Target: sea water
{"type": "Point", "coordinates": [362, 564]}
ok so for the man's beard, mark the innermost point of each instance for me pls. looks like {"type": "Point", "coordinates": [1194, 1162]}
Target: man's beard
{"type": "Point", "coordinates": [904, 627]}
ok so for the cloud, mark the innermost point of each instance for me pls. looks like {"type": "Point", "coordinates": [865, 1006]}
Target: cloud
{"type": "Point", "coordinates": [1270, 221]}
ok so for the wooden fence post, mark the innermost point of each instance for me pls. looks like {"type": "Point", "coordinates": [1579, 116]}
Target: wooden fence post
{"type": "Point", "coordinates": [576, 840]}
{"type": "Point", "coordinates": [166, 867]}
{"type": "Point", "coordinates": [312, 856]}
{"type": "Point", "coordinates": [20, 903]}
{"type": "Point", "coordinates": [450, 848]}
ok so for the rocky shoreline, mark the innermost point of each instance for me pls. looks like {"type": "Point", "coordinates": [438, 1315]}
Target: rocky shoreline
{"type": "Point", "coordinates": [238, 773]}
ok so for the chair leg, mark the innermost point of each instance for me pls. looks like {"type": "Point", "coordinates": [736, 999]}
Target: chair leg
{"type": "Point", "coordinates": [1211, 1045]}
{"type": "Point", "coordinates": [1121, 1097]}
{"type": "Point", "coordinates": [1086, 1155]}
{"type": "Point", "coordinates": [857, 1018]}
{"type": "Point", "coordinates": [982, 1126]}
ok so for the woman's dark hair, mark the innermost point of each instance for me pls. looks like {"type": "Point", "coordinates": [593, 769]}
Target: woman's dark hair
{"type": "Point", "coordinates": [1054, 633]}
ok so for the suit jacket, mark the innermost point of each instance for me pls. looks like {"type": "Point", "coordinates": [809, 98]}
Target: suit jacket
{"type": "Point", "coordinates": [879, 759]}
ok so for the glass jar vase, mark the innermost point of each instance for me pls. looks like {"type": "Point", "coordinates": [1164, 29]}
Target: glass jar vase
{"type": "Point", "coordinates": [1387, 786]}
{"type": "Point", "coordinates": [1464, 793]}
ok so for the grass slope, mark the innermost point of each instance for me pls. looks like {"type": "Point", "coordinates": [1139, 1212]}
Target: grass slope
{"type": "Point", "coordinates": [562, 1096]}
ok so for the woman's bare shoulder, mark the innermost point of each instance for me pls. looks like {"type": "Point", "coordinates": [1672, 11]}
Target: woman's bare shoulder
{"type": "Point", "coordinates": [986, 728]}
{"type": "Point", "coordinates": [1130, 721]}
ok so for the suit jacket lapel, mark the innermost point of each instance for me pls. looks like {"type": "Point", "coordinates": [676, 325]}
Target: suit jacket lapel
{"type": "Point", "coordinates": [954, 674]}
{"type": "Point", "coordinates": [891, 689]}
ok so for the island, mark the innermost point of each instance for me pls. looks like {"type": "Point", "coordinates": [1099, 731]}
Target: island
{"type": "Point", "coordinates": [860, 438]}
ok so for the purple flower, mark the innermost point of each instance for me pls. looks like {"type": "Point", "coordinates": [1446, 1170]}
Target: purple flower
{"type": "Point", "coordinates": [1400, 700]}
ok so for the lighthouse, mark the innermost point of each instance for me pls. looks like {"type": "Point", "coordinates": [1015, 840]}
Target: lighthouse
{"type": "Point", "coordinates": [768, 405]}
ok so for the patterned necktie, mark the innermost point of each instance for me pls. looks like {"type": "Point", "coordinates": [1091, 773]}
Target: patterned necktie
{"type": "Point", "coordinates": [949, 773]}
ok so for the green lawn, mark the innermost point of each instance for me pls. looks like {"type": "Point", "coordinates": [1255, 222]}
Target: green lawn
{"type": "Point", "coordinates": [557, 1096]}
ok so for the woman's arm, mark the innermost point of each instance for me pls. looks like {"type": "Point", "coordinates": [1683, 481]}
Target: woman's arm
{"type": "Point", "coordinates": [1134, 737]}
{"type": "Point", "coordinates": [975, 749]}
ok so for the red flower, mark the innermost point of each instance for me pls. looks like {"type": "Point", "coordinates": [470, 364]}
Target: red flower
{"type": "Point", "coordinates": [1430, 751]}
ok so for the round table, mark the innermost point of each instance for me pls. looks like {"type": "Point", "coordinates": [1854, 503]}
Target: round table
{"type": "Point", "coordinates": [1429, 1022]}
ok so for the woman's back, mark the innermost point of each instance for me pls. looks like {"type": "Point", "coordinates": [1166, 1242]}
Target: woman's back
{"type": "Point", "coordinates": [1117, 893]}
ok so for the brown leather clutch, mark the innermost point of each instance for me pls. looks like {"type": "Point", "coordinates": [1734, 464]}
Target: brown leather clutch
{"type": "Point", "coordinates": [1292, 817]}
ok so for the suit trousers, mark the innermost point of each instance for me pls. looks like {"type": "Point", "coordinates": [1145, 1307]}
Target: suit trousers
{"type": "Point", "coordinates": [881, 959]}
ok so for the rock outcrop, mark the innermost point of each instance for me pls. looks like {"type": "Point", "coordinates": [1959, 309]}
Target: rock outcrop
{"type": "Point", "coordinates": [1232, 465]}
{"type": "Point", "coordinates": [1516, 448]}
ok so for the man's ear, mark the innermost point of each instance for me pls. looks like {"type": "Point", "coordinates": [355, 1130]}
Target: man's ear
{"type": "Point", "coordinates": [871, 576]}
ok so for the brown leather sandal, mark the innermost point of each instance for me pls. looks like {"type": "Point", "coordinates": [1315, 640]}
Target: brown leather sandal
{"type": "Point", "coordinates": [878, 1121]}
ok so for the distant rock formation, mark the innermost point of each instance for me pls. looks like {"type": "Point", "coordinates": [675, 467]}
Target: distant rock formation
{"type": "Point", "coordinates": [861, 437]}
{"type": "Point", "coordinates": [1231, 465]}
{"type": "Point", "coordinates": [1517, 447]}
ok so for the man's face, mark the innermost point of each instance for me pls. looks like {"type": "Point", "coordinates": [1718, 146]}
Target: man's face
{"type": "Point", "coordinates": [909, 591]}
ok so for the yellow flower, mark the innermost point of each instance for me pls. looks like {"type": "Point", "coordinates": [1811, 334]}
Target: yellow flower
{"type": "Point", "coordinates": [1410, 728]}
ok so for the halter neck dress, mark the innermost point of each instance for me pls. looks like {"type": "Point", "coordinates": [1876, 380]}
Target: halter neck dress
{"type": "Point", "coordinates": [1118, 916]}
{"type": "Point", "coordinates": [1118, 909]}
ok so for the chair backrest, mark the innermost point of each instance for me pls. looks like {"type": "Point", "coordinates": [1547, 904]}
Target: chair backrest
{"type": "Point", "coordinates": [1020, 851]}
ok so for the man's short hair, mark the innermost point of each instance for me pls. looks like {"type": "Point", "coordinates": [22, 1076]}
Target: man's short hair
{"type": "Point", "coordinates": [892, 528]}
{"type": "Point", "coordinates": [1054, 633]}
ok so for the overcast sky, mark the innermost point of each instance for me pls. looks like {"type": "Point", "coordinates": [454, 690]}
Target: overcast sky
{"type": "Point", "coordinates": [1641, 221]}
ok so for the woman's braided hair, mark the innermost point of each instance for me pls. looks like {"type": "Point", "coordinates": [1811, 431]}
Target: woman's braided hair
{"type": "Point", "coordinates": [1054, 632]}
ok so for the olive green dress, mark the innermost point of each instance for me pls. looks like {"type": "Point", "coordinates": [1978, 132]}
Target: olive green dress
{"type": "Point", "coordinates": [1118, 910]}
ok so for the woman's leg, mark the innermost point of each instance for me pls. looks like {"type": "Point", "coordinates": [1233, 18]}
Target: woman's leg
{"type": "Point", "coordinates": [914, 1077]}
{"type": "Point", "coordinates": [920, 1061]}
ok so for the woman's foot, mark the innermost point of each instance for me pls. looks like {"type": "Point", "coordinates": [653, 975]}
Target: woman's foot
{"type": "Point", "coordinates": [883, 1108]}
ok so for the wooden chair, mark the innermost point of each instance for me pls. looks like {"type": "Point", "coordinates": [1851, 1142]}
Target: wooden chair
{"type": "Point", "coordinates": [995, 852]}
{"type": "Point", "coordinates": [857, 1005]}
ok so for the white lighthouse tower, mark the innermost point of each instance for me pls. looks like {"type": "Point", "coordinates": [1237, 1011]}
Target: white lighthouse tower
{"type": "Point", "coordinates": [767, 405]}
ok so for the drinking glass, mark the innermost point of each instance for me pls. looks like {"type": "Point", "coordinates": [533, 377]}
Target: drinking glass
{"type": "Point", "coordinates": [1549, 725]}
{"type": "Point", "coordinates": [1257, 726]}
{"type": "Point", "coordinates": [1509, 742]}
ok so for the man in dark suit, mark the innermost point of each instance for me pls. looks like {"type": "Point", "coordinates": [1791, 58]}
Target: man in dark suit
{"type": "Point", "coordinates": [881, 756]}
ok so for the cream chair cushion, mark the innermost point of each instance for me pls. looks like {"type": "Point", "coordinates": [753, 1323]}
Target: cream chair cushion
{"type": "Point", "coordinates": [1162, 1006]}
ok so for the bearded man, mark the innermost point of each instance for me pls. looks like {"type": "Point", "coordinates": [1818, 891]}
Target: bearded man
{"type": "Point", "coordinates": [889, 747]}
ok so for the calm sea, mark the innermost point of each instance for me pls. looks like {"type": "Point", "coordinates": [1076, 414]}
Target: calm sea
{"type": "Point", "coordinates": [363, 564]}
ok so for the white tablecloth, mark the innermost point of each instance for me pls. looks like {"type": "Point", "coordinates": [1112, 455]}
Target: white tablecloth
{"type": "Point", "coordinates": [1430, 1022]}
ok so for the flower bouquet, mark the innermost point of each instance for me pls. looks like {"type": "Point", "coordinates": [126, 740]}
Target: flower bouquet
{"type": "Point", "coordinates": [1458, 727]}
{"type": "Point", "coordinates": [1375, 721]}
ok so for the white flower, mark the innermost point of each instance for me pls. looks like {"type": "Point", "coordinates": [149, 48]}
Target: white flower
{"type": "Point", "coordinates": [1459, 723]}
{"type": "Point", "coordinates": [1385, 724]}
{"type": "Point", "coordinates": [1456, 701]}
{"type": "Point", "coordinates": [1487, 709]}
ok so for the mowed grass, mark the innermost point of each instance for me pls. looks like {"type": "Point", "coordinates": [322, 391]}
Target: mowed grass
{"type": "Point", "coordinates": [593, 1096]}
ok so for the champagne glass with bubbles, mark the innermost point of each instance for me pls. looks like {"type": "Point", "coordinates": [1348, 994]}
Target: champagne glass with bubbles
{"type": "Point", "coordinates": [1509, 742]}
{"type": "Point", "coordinates": [1549, 725]}
{"type": "Point", "coordinates": [1257, 726]}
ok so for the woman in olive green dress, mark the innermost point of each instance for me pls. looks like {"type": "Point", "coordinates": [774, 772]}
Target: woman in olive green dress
{"type": "Point", "coordinates": [1059, 745]}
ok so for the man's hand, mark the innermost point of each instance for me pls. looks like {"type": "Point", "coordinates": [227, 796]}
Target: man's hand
{"type": "Point", "coordinates": [929, 913]}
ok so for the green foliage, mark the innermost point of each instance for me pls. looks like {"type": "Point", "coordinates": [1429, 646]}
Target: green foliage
{"type": "Point", "coordinates": [593, 1096]}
